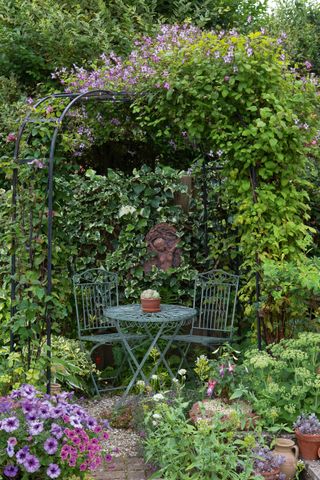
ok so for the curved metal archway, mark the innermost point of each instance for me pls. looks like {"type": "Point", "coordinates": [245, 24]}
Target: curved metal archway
{"type": "Point", "coordinates": [74, 99]}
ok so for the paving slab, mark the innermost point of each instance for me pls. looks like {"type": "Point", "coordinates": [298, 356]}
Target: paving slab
{"type": "Point", "coordinates": [312, 469]}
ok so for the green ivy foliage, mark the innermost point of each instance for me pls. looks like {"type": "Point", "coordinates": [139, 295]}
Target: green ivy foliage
{"type": "Point", "coordinates": [106, 219]}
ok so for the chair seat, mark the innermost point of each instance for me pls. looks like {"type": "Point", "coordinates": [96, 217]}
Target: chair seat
{"type": "Point", "coordinates": [110, 338]}
{"type": "Point", "coordinates": [201, 339]}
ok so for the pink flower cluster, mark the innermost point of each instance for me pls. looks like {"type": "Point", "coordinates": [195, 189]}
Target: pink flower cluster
{"type": "Point", "coordinates": [222, 370]}
{"type": "Point", "coordinates": [80, 443]}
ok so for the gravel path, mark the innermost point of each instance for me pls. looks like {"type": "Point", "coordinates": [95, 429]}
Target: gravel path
{"type": "Point", "coordinates": [124, 441]}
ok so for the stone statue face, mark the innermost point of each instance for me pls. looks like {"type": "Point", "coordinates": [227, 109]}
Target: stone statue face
{"type": "Point", "coordinates": [159, 244]}
{"type": "Point", "coordinates": [162, 242]}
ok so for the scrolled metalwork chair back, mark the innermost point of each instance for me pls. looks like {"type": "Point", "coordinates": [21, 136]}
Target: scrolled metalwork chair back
{"type": "Point", "coordinates": [215, 298]}
{"type": "Point", "coordinates": [94, 290]}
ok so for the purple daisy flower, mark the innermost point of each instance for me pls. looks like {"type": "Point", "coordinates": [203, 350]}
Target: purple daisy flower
{"type": "Point", "coordinates": [50, 445]}
{"type": "Point", "coordinates": [11, 471]}
{"type": "Point", "coordinates": [10, 424]}
{"type": "Point", "coordinates": [31, 464]}
{"type": "Point", "coordinates": [53, 471]}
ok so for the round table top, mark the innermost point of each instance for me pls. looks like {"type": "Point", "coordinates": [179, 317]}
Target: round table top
{"type": "Point", "coordinates": [133, 313]}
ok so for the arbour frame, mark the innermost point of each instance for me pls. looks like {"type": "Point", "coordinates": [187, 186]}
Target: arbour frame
{"type": "Point", "coordinates": [74, 99]}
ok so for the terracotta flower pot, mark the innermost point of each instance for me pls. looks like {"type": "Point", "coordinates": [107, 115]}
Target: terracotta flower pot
{"type": "Point", "coordinates": [273, 475]}
{"type": "Point", "coordinates": [309, 445]}
{"type": "Point", "coordinates": [150, 305]}
{"type": "Point", "coordinates": [55, 388]}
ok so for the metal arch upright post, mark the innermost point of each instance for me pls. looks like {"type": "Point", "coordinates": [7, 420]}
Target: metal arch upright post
{"type": "Point", "coordinates": [254, 184]}
{"type": "Point", "coordinates": [49, 254]}
{"type": "Point", "coordinates": [14, 215]}
{"type": "Point", "coordinates": [103, 95]}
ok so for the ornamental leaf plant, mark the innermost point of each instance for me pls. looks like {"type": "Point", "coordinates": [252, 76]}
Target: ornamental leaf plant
{"type": "Point", "coordinates": [43, 437]}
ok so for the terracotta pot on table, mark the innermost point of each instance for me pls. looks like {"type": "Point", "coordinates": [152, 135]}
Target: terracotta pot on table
{"type": "Point", "coordinates": [150, 305]}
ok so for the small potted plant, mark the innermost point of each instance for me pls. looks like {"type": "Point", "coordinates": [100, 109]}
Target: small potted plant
{"type": "Point", "coordinates": [307, 430]}
{"type": "Point", "coordinates": [150, 301]}
{"type": "Point", "coordinates": [266, 463]}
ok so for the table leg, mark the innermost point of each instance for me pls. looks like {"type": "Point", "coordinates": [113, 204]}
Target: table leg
{"type": "Point", "coordinates": [162, 354]}
{"type": "Point", "coordinates": [133, 358]}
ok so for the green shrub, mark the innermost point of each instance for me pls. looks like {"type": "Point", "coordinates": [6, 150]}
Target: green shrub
{"type": "Point", "coordinates": [284, 381]}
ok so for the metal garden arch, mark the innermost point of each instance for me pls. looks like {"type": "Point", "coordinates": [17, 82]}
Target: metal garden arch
{"type": "Point", "coordinates": [74, 99]}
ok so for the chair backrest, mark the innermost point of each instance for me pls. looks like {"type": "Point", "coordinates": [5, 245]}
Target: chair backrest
{"type": "Point", "coordinates": [215, 298]}
{"type": "Point", "coordinates": [94, 290]}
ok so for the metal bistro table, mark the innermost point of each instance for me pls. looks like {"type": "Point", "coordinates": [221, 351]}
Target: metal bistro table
{"type": "Point", "coordinates": [154, 325]}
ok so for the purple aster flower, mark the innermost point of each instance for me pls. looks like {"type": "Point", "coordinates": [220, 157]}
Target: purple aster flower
{"type": "Point", "coordinates": [53, 471]}
{"type": "Point", "coordinates": [10, 424]}
{"type": "Point", "coordinates": [31, 464]}
{"type": "Point", "coordinates": [11, 471]}
{"type": "Point", "coordinates": [50, 445]}
{"type": "Point", "coordinates": [166, 85]}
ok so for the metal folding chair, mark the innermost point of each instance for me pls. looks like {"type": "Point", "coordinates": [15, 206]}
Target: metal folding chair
{"type": "Point", "coordinates": [215, 298]}
{"type": "Point", "coordinates": [94, 291]}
